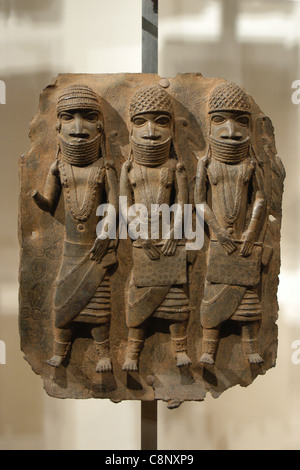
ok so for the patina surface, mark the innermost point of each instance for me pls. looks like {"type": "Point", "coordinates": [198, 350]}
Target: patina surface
{"type": "Point", "coordinates": [209, 315]}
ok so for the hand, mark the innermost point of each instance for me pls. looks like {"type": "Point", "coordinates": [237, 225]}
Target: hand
{"type": "Point", "coordinates": [248, 243]}
{"type": "Point", "coordinates": [225, 241]}
{"type": "Point", "coordinates": [41, 201]}
{"type": "Point", "coordinates": [169, 247]}
{"type": "Point", "coordinates": [99, 249]}
{"type": "Point", "coordinates": [36, 196]}
{"type": "Point", "coordinates": [151, 250]}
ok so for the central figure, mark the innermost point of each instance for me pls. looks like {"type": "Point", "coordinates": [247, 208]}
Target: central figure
{"type": "Point", "coordinates": [151, 177]}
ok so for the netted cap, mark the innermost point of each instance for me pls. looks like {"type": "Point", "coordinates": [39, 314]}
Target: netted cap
{"type": "Point", "coordinates": [151, 99]}
{"type": "Point", "coordinates": [228, 97]}
{"type": "Point", "coordinates": [78, 97]}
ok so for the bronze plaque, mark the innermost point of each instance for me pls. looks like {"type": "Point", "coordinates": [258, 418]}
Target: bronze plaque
{"type": "Point", "coordinates": [100, 318]}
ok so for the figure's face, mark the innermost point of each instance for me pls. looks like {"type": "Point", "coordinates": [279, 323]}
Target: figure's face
{"type": "Point", "coordinates": [230, 126]}
{"type": "Point", "coordinates": [151, 128]}
{"type": "Point", "coordinates": [79, 126]}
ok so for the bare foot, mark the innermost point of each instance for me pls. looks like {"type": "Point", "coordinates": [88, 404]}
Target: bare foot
{"type": "Point", "coordinates": [255, 358]}
{"type": "Point", "coordinates": [104, 365]}
{"type": "Point", "coordinates": [207, 358]}
{"type": "Point", "coordinates": [55, 361]}
{"type": "Point", "coordinates": [183, 359]}
{"type": "Point", "coordinates": [130, 365]}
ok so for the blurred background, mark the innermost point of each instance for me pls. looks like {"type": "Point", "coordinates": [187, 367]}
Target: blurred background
{"type": "Point", "coordinates": [255, 43]}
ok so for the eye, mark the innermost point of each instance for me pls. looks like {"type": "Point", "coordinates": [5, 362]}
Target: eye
{"type": "Point", "coordinates": [91, 116]}
{"type": "Point", "coordinates": [163, 120]}
{"type": "Point", "coordinates": [244, 120]}
{"type": "Point", "coordinates": [66, 117]}
{"type": "Point", "coordinates": [139, 121]}
{"type": "Point", "coordinates": [218, 119]}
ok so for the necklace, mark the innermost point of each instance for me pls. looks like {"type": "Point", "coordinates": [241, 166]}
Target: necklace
{"type": "Point", "coordinates": [80, 213]}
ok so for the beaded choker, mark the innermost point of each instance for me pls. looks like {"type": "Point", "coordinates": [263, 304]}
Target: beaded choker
{"type": "Point", "coordinates": [229, 152]}
{"type": "Point", "coordinates": [80, 154]}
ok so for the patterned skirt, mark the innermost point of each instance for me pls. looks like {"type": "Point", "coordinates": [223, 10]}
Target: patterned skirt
{"type": "Point", "coordinates": [175, 305]}
{"type": "Point", "coordinates": [249, 309]}
{"type": "Point", "coordinates": [99, 308]}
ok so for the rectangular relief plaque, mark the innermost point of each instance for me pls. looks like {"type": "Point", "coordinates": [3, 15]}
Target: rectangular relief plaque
{"type": "Point", "coordinates": [112, 303]}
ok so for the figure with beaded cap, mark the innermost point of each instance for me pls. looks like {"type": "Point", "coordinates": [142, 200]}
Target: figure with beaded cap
{"type": "Point", "coordinates": [83, 176]}
{"type": "Point", "coordinates": [229, 182]}
{"type": "Point", "coordinates": [153, 176]}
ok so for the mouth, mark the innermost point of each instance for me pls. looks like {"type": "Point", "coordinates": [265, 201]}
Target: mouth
{"type": "Point", "coordinates": [234, 142]}
{"type": "Point", "coordinates": [231, 140]}
{"type": "Point", "coordinates": [152, 140]}
{"type": "Point", "coordinates": [78, 140]}
{"type": "Point", "coordinates": [231, 137]}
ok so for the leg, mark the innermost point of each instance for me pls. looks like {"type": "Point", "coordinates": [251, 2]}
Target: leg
{"type": "Point", "coordinates": [62, 342]}
{"type": "Point", "coordinates": [136, 337]}
{"type": "Point", "coordinates": [210, 341]}
{"type": "Point", "coordinates": [178, 332]}
{"type": "Point", "coordinates": [249, 341]}
{"type": "Point", "coordinates": [100, 334]}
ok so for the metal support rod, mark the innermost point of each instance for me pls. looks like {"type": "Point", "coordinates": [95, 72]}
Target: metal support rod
{"type": "Point", "coordinates": [149, 425]}
{"type": "Point", "coordinates": [149, 65]}
{"type": "Point", "coordinates": [150, 36]}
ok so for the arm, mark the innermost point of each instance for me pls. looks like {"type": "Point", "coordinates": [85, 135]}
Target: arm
{"type": "Point", "coordinates": [182, 198]}
{"type": "Point", "coordinates": [48, 202]}
{"type": "Point", "coordinates": [258, 211]}
{"type": "Point", "coordinates": [209, 217]}
{"type": "Point", "coordinates": [125, 188]}
{"type": "Point", "coordinates": [108, 232]}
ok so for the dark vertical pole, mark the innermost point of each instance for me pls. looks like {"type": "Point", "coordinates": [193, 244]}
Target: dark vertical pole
{"type": "Point", "coordinates": [149, 65]}
{"type": "Point", "coordinates": [150, 36]}
{"type": "Point", "coordinates": [149, 425]}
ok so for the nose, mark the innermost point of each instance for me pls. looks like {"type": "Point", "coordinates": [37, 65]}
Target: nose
{"type": "Point", "coordinates": [231, 131]}
{"type": "Point", "coordinates": [151, 131]}
{"type": "Point", "coordinates": [78, 124]}
{"type": "Point", "coordinates": [78, 127]}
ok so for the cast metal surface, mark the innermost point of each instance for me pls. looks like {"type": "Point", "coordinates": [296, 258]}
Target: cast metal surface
{"type": "Point", "coordinates": [126, 318]}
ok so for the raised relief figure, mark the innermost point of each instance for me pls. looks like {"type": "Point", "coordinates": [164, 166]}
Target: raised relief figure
{"type": "Point", "coordinates": [153, 177]}
{"type": "Point", "coordinates": [84, 178]}
{"type": "Point", "coordinates": [229, 183]}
